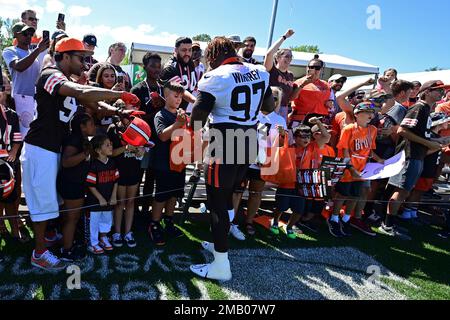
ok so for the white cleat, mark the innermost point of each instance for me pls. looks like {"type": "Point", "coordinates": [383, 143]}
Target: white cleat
{"type": "Point", "coordinates": [218, 270]}
{"type": "Point", "coordinates": [208, 246]}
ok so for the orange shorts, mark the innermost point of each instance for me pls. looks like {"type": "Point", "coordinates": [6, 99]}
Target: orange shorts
{"type": "Point", "coordinates": [424, 184]}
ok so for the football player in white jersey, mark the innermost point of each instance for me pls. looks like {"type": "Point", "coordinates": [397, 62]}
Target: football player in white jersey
{"type": "Point", "coordinates": [231, 95]}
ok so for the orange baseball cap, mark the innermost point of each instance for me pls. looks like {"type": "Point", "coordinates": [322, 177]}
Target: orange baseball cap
{"type": "Point", "coordinates": [71, 44]}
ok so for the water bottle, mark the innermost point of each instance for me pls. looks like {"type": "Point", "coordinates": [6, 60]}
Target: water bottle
{"type": "Point", "coordinates": [203, 208]}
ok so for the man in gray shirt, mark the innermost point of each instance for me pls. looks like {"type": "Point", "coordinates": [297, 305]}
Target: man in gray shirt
{"type": "Point", "coordinates": [24, 67]}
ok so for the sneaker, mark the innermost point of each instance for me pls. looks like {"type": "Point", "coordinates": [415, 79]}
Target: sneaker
{"type": "Point", "coordinates": [335, 229]}
{"type": "Point", "coordinates": [274, 229]}
{"type": "Point", "coordinates": [214, 270]}
{"type": "Point", "coordinates": [73, 255]}
{"type": "Point", "coordinates": [393, 232]}
{"type": "Point", "coordinates": [48, 261]}
{"type": "Point", "coordinates": [173, 231]}
{"type": "Point", "coordinates": [234, 230]}
{"type": "Point", "coordinates": [290, 233]}
{"type": "Point", "coordinates": [156, 234]}
{"type": "Point", "coordinates": [117, 240]}
{"type": "Point", "coordinates": [346, 228]}
{"type": "Point", "coordinates": [96, 249]}
{"type": "Point", "coordinates": [129, 240]}
{"type": "Point", "coordinates": [361, 226]}
{"type": "Point", "coordinates": [105, 244]}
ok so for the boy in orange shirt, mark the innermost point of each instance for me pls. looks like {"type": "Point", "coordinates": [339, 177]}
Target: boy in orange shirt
{"type": "Point", "coordinates": [358, 141]}
{"type": "Point", "coordinates": [287, 196]}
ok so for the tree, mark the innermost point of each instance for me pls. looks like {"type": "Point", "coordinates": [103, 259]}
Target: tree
{"type": "Point", "coordinates": [306, 48]}
{"type": "Point", "coordinates": [6, 34]}
{"type": "Point", "coordinates": [434, 69]}
{"type": "Point", "coordinates": [202, 37]}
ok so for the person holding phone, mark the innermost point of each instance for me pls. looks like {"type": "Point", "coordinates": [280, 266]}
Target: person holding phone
{"type": "Point", "coordinates": [24, 66]}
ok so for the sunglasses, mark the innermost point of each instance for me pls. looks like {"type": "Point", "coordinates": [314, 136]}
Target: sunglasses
{"type": "Point", "coordinates": [360, 97]}
{"type": "Point", "coordinates": [33, 19]}
{"type": "Point", "coordinates": [82, 58]}
{"type": "Point", "coordinates": [378, 100]}
{"type": "Point", "coordinates": [317, 68]}
{"type": "Point", "coordinates": [339, 81]}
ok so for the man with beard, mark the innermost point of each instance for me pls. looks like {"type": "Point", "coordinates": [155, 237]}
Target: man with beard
{"type": "Point", "coordinates": [219, 99]}
{"type": "Point", "coordinates": [336, 83]}
{"type": "Point", "coordinates": [180, 68]}
{"type": "Point", "coordinates": [248, 50]}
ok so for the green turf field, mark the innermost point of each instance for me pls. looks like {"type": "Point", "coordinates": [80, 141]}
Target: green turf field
{"type": "Point", "coordinates": [315, 266]}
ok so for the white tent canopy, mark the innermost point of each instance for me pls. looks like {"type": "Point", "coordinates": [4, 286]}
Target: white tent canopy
{"type": "Point", "coordinates": [334, 63]}
{"type": "Point", "coordinates": [422, 77]}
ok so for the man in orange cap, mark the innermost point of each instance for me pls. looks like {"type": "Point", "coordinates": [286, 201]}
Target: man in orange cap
{"type": "Point", "coordinates": [57, 101]}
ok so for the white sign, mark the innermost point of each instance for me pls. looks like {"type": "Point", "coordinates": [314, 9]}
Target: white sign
{"type": "Point", "coordinates": [390, 168]}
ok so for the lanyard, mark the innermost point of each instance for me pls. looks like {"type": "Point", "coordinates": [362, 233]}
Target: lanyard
{"type": "Point", "coordinates": [189, 74]}
{"type": "Point", "coordinates": [150, 92]}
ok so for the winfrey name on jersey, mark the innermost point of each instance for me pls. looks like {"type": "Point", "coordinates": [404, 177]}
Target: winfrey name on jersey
{"type": "Point", "coordinates": [237, 92]}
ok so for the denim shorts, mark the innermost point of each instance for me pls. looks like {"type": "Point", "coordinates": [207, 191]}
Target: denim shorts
{"type": "Point", "coordinates": [408, 177]}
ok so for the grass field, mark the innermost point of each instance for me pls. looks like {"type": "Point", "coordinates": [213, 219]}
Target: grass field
{"type": "Point", "coordinates": [315, 266]}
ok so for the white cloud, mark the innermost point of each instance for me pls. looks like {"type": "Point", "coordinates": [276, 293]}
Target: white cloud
{"type": "Point", "coordinates": [13, 8]}
{"type": "Point", "coordinates": [79, 11]}
{"type": "Point", "coordinates": [54, 6]}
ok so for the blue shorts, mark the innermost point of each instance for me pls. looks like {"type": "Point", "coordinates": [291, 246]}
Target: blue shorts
{"type": "Point", "coordinates": [408, 177]}
{"type": "Point", "coordinates": [286, 199]}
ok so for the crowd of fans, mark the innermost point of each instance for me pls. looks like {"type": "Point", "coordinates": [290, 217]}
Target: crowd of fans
{"type": "Point", "coordinates": [64, 115]}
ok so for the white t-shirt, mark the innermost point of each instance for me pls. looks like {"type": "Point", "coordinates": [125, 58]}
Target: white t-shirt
{"type": "Point", "coordinates": [267, 134]}
{"type": "Point", "coordinates": [239, 91]}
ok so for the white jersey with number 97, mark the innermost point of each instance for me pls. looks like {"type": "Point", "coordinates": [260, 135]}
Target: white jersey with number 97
{"type": "Point", "coordinates": [239, 90]}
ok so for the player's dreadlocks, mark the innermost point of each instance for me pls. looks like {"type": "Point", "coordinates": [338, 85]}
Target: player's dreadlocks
{"type": "Point", "coordinates": [219, 48]}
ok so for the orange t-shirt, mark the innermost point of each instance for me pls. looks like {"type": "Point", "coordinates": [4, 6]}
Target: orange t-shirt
{"type": "Point", "coordinates": [300, 153]}
{"type": "Point", "coordinates": [359, 142]}
{"type": "Point", "coordinates": [445, 108]}
{"type": "Point", "coordinates": [341, 120]}
{"type": "Point", "coordinates": [312, 99]}
{"type": "Point", "coordinates": [314, 155]}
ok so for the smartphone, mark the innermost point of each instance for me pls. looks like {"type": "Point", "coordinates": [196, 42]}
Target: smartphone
{"type": "Point", "coordinates": [61, 17]}
{"type": "Point", "coordinates": [46, 35]}
{"type": "Point", "coordinates": [120, 79]}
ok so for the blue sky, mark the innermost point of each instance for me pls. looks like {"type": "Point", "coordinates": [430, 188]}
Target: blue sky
{"type": "Point", "coordinates": [412, 35]}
